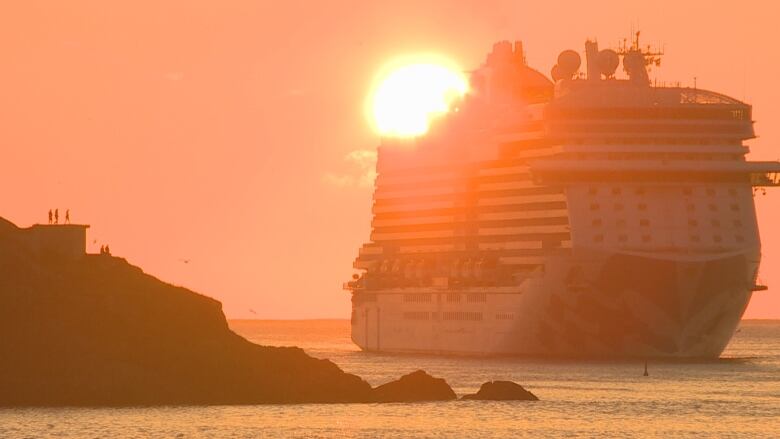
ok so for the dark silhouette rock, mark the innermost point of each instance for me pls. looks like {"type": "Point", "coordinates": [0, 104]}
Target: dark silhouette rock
{"type": "Point", "coordinates": [95, 330]}
{"type": "Point", "coordinates": [414, 387]}
{"type": "Point", "coordinates": [502, 391]}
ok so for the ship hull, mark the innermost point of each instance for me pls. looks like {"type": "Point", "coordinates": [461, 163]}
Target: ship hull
{"type": "Point", "coordinates": [591, 304]}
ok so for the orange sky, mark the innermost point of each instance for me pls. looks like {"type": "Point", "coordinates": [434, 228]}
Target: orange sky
{"type": "Point", "coordinates": [217, 131]}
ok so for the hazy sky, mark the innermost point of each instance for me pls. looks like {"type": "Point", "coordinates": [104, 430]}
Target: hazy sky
{"type": "Point", "coordinates": [225, 133]}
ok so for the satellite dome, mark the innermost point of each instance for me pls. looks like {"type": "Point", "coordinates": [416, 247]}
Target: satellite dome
{"type": "Point", "coordinates": [556, 73]}
{"type": "Point", "coordinates": [569, 62]}
{"type": "Point", "coordinates": [608, 62]}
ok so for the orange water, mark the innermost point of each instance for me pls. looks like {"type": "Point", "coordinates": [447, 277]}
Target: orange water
{"type": "Point", "coordinates": [735, 397]}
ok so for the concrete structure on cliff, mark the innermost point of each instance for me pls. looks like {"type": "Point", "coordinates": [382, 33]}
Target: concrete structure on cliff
{"type": "Point", "coordinates": [60, 241]}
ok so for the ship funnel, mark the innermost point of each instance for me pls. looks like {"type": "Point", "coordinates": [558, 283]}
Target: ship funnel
{"type": "Point", "coordinates": [591, 56]}
{"type": "Point", "coordinates": [519, 53]}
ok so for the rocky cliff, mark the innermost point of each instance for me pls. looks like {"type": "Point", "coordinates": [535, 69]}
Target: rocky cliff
{"type": "Point", "coordinates": [96, 330]}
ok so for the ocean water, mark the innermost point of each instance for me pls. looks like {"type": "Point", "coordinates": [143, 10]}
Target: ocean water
{"type": "Point", "coordinates": [737, 396]}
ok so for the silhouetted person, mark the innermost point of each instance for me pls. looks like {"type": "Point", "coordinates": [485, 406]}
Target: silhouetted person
{"type": "Point", "coordinates": [102, 249]}
{"type": "Point", "coordinates": [646, 374]}
{"type": "Point", "coordinates": [67, 216]}
{"type": "Point", "coordinates": [108, 251]}
{"type": "Point", "coordinates": [51, 216]}
{"type": "Point", "coordinates": [56, 216]}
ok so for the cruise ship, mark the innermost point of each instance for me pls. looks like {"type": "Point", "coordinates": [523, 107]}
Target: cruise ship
{"type": "Point", "coordinates": [594, 214]}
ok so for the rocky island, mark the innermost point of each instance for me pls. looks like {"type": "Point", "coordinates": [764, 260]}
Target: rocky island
{"type": "Point", "coordinates": [93, 330]}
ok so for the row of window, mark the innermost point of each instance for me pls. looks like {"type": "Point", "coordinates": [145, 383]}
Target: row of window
{"type": "Point", "coordinates": [418, 298]}
{"type": "Point", "coordinates": [712, 207]}
{"type": "Point", "coordinates": [636, 155]}
{"type": "Point", "coordinates": [476, 298]}
{"type": "Point", "coordinates": [590, 140]}
{"type": "Point", "coordinates": [642, 191]}
{"type": "Point", "coordinates": [618, 206]}
{"type": "Point", "coordinates": [454, 316]}
{"type": "Point", "coordinates": [690, 207]}
{"type": "Point", "coordinates": [598, 222]}
{"type": "Point", "coordinates": [693, 237]}
{"type": "Point", "coordinates": [450, 297]}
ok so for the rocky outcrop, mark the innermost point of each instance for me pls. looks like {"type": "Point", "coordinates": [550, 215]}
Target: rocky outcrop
{"type": "Point", "coordinates": [414, 387]}
{"type": "Point", "coordinates": [501, 391]}
{"type": "Point", "coordinates": [98, 331]}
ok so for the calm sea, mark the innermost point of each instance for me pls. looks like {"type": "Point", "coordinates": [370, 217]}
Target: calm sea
{"type": "Point", "coordinates": [738, 396]}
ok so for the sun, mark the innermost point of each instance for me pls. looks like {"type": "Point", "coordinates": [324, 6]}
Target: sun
{"type": "Point", "coordinates": [409, 92]}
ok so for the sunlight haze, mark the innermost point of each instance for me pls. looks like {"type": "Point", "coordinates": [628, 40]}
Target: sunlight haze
{"type": "Point", "coordinates": [233, 135]}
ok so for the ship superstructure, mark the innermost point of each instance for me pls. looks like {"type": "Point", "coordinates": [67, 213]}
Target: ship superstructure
{"type": "Point", "coordinates": [584, 216]}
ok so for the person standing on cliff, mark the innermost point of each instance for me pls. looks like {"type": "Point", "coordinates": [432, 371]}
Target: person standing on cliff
{"type": "Point", "coordinates": [51, 216]}
{"type": "Point", "coordinates": [67, 216]}
{"type": "Point", "coordinates": [56, 216]}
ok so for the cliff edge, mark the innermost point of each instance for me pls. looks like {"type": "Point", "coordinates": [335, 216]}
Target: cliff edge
{"type": "Point", "coordinates": [95, 330]}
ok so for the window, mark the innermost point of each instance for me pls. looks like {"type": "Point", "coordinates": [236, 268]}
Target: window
{"type": "Point", "coordinates": [737, 223]}
{"type": "Point", "coordinates": [640, 191]}
{"type": "Point", "coordinates": [618, 206]}
{"type": "Point", "coordinates": [462, 315]}
{"type": "Point", "coordinates": [616, 191]}
{"type": "Point", "coordinates": [593, 191]}
{"type": "Point", "coordinates": [734, 207]}
{"type": "Point", "coordinates": [417, 298]}
{"type": "Point", "coordinates": [596, 222]}
{"type": "Point", "coordinates": [594, 206]}
{"type": "Point", "coordinates": [715, 223]}
{"type": "Point", "coordinates": [644, 222]}
{"type": "Point", "coordinates": [453, 297]}
{"type": "Point", "coordinates": [647, 238]}
{"type": "Point", "coordinates": [641, 206]}
{"type": "Point", "coordinates": [476, 297]}
{"type": "Point", "coordinates": [687, 191]}
{"type": "Point", "coordinates": [622, 238]}
{"type": "Point", "coordinates": [690, 207]}
{"type": "Point", "coordinates": [712, 207]}
{"type": "Point", "coordinates": [717, 238]}
{"type": "Point", "coordinates": [733, 192]}
{"type": "Point", "coordinates": [695, 238]}
{"type": "Point", "coordinates": [693, 222]}
{"type": "Point", "coordinates": [417, 315]}
{"type": "Point", "coordinates": [598, 238]}
{"type": "Point", "coordinates": [620, 223]}
{"type": "Point", "coordinates": [505, 316]}
{"type": "Point", "coordinates": [739, 238]}
{"type": "Point", "coordinates": [711, 192]}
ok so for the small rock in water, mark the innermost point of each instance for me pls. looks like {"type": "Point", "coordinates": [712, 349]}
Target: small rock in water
{"type": "Point", "coordinates": [502, 391]}
{"type": "Point", "coordinates": [415, 387]}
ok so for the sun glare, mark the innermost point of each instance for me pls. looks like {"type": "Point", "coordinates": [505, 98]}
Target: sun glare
{"type": "Point", "coordinates": [409, 94]}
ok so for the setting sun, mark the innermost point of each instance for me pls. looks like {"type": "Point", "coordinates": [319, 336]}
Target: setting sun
{"type": "Point", "coordinates": [409, 95]}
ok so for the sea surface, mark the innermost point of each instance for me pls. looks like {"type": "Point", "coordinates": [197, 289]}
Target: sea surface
{"type": "Point", "coordinates": [737, 396]}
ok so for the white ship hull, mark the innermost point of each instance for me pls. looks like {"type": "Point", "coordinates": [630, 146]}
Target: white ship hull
{"type": "Point", "coordinates": [593, 304]}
